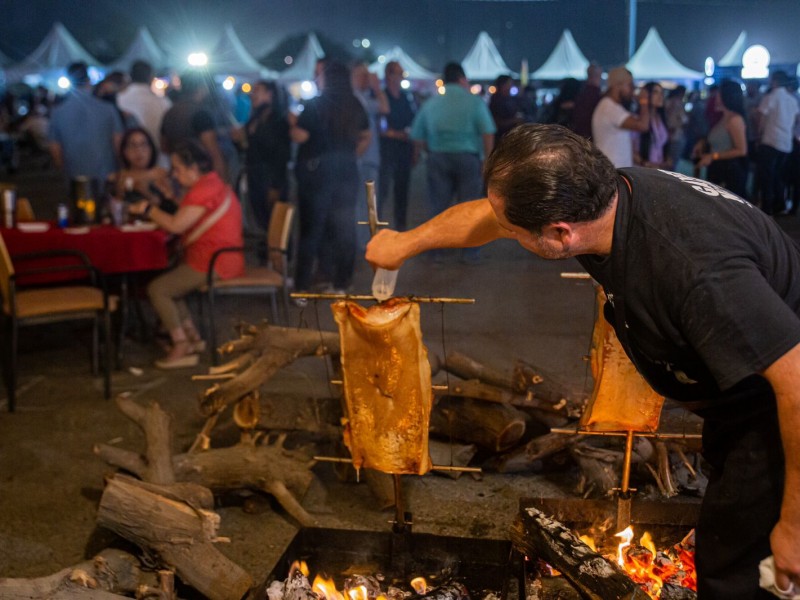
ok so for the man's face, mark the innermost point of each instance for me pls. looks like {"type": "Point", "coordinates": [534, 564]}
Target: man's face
{"type": "Point", "coordinates": [394, 74]}
{"type": "Point", "coordinates": [536, 243]}
{"type": "Point", "coordinates": [626, 91]}
{"type": "Point", "coordinates": [360, 77]}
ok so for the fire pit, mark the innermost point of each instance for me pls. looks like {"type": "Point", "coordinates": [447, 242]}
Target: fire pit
{"type": "Point", "coordinates": [487, 568]}
{"type": "Point", "coordinates": [657, 563]}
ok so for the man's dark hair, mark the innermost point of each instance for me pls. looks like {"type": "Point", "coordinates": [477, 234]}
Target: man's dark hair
{"type": "Point", "coordinates": [192, 82]}
{"type": "Point", "coordinates": [779, 78]}
{"type": "Point", "coordinates": [192, 152]}
{"type": "Point", "coordinates": [141, 72]}
{"type": "Point", "coordinates": [546, 174]}
{"type": "Point", "coordinates": [78, 73]}
{"type": "Point", "coordinates": [453, 72]}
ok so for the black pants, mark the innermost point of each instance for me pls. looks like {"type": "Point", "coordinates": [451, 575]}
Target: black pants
{"type": "Point", "coordinates": [396, 168]}
{"type": "Point", "coordinates": [743, 498]}
{"type": "Point", "coordinates": [770, 179]}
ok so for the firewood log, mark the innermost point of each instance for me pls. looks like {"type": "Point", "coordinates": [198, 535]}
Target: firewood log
{"type": "Point", "coordinates": [265, 467]}
{"type": "Point", "coordinates": [110, 575]}
{"type": "Point", "coordinates": [493, 426]}
{"type": "Point", "coordinates": [180, 536]}
{"type": "Point", "coordinates": [539, 536]}
{"type": "Point", "coordinates": [447, 454]}
{"type": "Point", "coordinates": [537, 386]}
{"type": "Point", "coordinates": [528, 457]}
{"type": "Point", "coordinates": [272, 348]}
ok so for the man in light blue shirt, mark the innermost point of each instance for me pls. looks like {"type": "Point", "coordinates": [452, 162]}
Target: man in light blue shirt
{"type": "Point", "coordinates": [457, 130]}
{"type": "Point", "coordinates": [85, 131]}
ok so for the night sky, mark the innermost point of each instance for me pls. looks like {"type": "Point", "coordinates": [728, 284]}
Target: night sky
{"type": "Point", "coordinates": [431, 31]}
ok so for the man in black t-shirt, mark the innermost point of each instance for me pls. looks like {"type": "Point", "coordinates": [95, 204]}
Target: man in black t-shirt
{"type": "Point", "coordinates": [702, 294]}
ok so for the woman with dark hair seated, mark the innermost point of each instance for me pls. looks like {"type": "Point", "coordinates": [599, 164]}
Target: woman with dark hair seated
{"type": "Point", "coordinates": [140, 178]}
{"type": "Point", "coordinates": [209, 218]}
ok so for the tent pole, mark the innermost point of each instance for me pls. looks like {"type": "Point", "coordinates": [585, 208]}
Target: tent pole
{"type": "Point", "coordinates": [631, 28]}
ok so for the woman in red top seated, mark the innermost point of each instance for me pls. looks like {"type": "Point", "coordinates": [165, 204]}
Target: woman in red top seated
{"type": "Point", "coordinates": [209, 218]}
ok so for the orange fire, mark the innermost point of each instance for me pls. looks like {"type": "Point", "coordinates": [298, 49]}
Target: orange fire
{"type": "Point", "coordinates": [420, 585]}
{"type": "Point", "coordinates": [650, 568]}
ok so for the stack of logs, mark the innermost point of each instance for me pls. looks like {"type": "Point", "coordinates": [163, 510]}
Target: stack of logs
{"type": "Point", "coordinates": [167, 509]}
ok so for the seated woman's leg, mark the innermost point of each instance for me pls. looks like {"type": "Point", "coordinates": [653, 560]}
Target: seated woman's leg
{"type": "Point", "coordinates": [165, 293]}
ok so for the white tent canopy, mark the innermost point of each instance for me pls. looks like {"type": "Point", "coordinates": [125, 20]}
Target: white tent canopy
{"type": "Point", "coordinates": [483, 62]}
{"type": "Point", "coordinates": [143, 47]}
{"type": "Point", "coordinates": [566, 60]}
{"type": "Point", "coordinates": [410, 67]}
{"type": "Point", "coordinates": [302, 67]}
{"type": "Point", "coordinates": [653, 61]}
{"type": "Point", "coordinates": [230, 57]}
{"type": "Point", "coordinates": [733, 57]}
{"type": "Point", "coordinates": [56, 51]}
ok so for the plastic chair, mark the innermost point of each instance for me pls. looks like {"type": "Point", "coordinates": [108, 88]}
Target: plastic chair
{"type": "Point", "coordinates": [29, 305]}
{"type": "Point", "coordinates": [257, 280]}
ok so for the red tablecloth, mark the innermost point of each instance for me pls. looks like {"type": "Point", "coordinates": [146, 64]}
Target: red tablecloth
{"type": "Point", "coordinates": [111, 250]}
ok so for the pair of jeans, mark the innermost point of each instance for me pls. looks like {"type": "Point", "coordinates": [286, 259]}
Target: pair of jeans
{"type": "Point", "coordinates": [327, 219]}
{"type": "Point", "coordinates": [452, 175]}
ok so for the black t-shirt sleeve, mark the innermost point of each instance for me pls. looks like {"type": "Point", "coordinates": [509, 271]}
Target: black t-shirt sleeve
{"type": "Point", "coordinates": [737, 323]}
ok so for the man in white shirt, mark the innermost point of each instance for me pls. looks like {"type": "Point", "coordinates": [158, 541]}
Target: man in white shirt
{"type": "Point", "coordinates": [777, 114]}
{"type": "Point", "coordinates": [612, 122]}
{"type": "Point", "coordinates": [139, 100]}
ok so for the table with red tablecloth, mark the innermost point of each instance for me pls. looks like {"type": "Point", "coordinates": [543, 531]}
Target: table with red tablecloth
{"type": "Point", "coordinates": [112, 250]}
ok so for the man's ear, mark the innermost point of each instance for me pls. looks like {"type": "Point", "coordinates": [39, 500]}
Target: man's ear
{"type": "Point", "coordinates": [559, 233]}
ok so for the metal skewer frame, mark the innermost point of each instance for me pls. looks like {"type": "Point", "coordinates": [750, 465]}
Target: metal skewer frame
{"type": "Point", "coordinates": [625, 492]}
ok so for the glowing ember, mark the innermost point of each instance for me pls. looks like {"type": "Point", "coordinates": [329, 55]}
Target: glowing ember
{"type": "Point", "coordinates": [650, 568]}
{"type": "Point", "coordinates": [326, 588]}
{"type": "Point", "coordinates": [358, 593]}
{"type": "Point", "coordinates": [298, 565]}
{"type": "Point", "coordinates": [420, 585]}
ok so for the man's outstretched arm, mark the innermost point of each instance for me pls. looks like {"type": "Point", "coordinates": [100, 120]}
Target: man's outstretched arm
{"type": "Point", "coordinates": [464, 225]}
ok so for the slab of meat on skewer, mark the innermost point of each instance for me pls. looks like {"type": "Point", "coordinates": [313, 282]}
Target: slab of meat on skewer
{"type": "Point", "coordinates": [387, 386]}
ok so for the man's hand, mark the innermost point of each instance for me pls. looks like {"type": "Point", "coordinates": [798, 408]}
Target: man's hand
{"type": "Point", "coordinates": [384, 250]}
{"type": "Point", "coordinates": [785, 544]}
{"type": "Point", "coordinates": [784, 376]}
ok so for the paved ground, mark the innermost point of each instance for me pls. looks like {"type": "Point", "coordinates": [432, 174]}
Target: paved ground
{"type": "Point", "coordinates": [50, 482]}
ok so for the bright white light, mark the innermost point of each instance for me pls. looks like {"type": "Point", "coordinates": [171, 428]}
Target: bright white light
{"type": "Point", "coordinates": [441, 90]}
{"type": "Point", "coordinates": [229, 83]}
{"type": "Point", "coordinates": [475, 88]}
{"type": "Point", "coordinates": [514, 90]}
{"type": "Point", "coordinates": [288, 60]}
{"type": "Point", "coordinates": [308, 89]}
{"type": "Point", "coordinates": [709, 67]}
{"type": "Point", "coordinates": [307, 86]}
{"type": "Point", "coordinates": [198, 59]}
{"type": "Point", "coordinates": [381, 59]}
{"type": "Point", "coordinates": [365, 43]}
{"type": "Point", "coordinates": [405, 84]}
{"type": "Point", "coordinates": [95, 74]}
{"type": "Point", "coordinates": [755, 62]}
{"type": "Point", "coordinates": [709, 81]}
{"type": "Point", "coordinates": [64, 83]}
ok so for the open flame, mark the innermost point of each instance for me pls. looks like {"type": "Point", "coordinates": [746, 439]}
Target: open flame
{"type": "Point", "coordinates": [420, 585]}
{"type": "Point", "coordinates": [298, 565]}
{"type": "Point", "coordinates": [650, 568]}
{"type": "Point", "coordinates": [326, 588]}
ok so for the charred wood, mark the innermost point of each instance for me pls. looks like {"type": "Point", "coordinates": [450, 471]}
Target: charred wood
{"type": "Point", "coordinates": [452, 590]}
{"type": "Point", "coordinates": [597, 578]}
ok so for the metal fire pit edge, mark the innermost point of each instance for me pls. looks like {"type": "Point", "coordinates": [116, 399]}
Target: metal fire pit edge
{"type": "Point", "coordinates": [483, 565]}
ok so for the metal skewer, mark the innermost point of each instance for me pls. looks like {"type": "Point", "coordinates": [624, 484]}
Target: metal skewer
{"type": "Point", "coordinates": [448, 468]}
{"type": "Point", "coordinates": [422, 299]}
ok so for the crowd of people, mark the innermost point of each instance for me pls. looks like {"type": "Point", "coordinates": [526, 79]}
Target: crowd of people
{"type": "Point", "coordinates": [132, 143]}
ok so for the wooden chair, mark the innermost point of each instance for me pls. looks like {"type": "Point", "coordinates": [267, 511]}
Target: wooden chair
{"type": "Point", "coordinates": [257, 280]}
{"type": "Point", "coordinates": [29, 305]}
{"type": "Point", "coordinates": [25, 212]}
